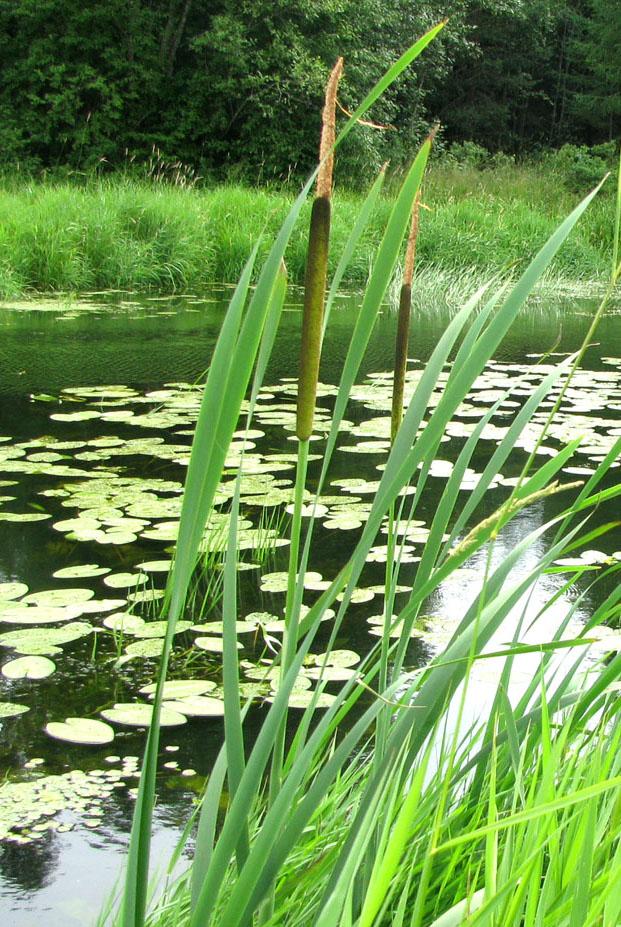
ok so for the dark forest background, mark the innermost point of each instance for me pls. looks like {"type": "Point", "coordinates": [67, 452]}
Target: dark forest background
{"type": "Point", "coordinates": [233, 88]}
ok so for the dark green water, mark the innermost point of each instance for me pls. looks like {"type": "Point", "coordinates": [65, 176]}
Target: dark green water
{"type": "Point", "coordinates": [64, 876]}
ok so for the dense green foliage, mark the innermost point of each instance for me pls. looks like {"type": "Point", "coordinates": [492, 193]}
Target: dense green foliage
{"type": "Point", "coordinates": [227, 86]}
{"type": "Point", "coordinates": [122, 233]}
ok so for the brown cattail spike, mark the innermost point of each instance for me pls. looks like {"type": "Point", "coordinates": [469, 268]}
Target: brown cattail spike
{"type": "Point", "coordinates": [328, 133]}
{"type": "Point", "coordinates": [410, 253]}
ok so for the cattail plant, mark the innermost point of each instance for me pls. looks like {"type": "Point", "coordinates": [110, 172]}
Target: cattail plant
{"type": "Point", "coordinates": [310, 353]}
{"type": "Point", "coordinates": [403, 325]}
{"type": "Point", "coordinates": [403, 322]}
{"type": "Point", "coordinates": [317, 265]}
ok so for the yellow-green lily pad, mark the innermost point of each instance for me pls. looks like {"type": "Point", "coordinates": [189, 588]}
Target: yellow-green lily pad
{"type": "Point", "coordinates": [139, 715]}
{"type": "Point", "coordinates": [81, 731]}
{"type": "Point", "coordinates": [196, 706]}
{"type": "Point", "coordinates": [12, 709]}
{"type": "Point", "coordinates": [32, 667]}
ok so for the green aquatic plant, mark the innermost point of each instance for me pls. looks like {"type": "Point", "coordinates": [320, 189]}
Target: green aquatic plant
{"type": "Point", "coordinates": [340, 826]}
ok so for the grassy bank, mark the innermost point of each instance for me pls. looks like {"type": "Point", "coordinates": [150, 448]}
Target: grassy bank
{"type": "Point", "coordinates": [128, 234]}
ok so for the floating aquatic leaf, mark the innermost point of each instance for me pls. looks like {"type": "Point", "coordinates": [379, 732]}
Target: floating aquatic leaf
{"type": "Point", "coordinates": [253, 689]}
{"type": "Point", "coordinates": [125, 580]}
{"type": "Point", "coordinates": [44, 640]}
{"type": "Point", "coordinates": [155, 566]}
{"type": "Point", "coordinates": [330, 673]}
{"type": "Point", "coordinates": [379, 554]}
{"type": "Point", "coordinates": [28, 668]}
{"type": "Point", "coordinates": [300, 685]}
{"type": "Point", "coordinates": [180, 688]}
{"type": "Point", "coordinates": [303, 699]}
{"type": "Point", "coordinates": [81, 731]}
{"type": "Point", "coordinates": [12, 591]}
{"type": "Point", "coordinates": [358, 595]}
{"type": "Point", "coordinates": [158, 628]}
{"type": "Point", "coordinates": [139, 715]}
{"type": "Point", "coordinates": [46, 456]}
{"type": "Point", "coordinates": [37, 614]}
{"type": "Point", "coordinates": [216, 627]}
{"type": "Point", "coordinates": [308, 510]}
{"type": "Point", "coordinates": [151, 647]}
{"type": "Point", "coordinates": [277, 582]}
{"type": "Point", "coordinates": [343, 521]}
{"type": "Point", "coordinates": [12, 709]}
{"type": "Point", "coordinates": [213, 644]}
{"type": "Point", "coordinates": [80, 571]}
{"type": "Point", "coordinates": [123, 621]}
{"type": "Point", "coordinates": [146, 595]}
{"type": "Point", "coordinates": [115, 536]}
{"type": "Point", "coordinates": [82, 416]}
{"type": "Point", "coordinates": [59, 598]}
{"type": "Point", "coordinates": [260, 617]}
{"type": "Point", "coordinates": [196, 706]}
{"type": "Point", "coordinates": [96, 606]}
{"type": "Point", "coordinates": [333, 658]}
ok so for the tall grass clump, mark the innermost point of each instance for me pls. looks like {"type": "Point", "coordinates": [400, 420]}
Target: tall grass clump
{"type": "Point", "coordinates": [126, 232]}
{"type": "Point", "coordinates": [396, 804]}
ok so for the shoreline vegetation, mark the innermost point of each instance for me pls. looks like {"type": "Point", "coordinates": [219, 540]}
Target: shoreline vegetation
{"type": "Point", "coordinates": [143, 235]}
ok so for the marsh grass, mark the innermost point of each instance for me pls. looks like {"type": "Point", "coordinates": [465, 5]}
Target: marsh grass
{"type": "Point", "coordinates": [129, 234]}
{"type": "Point", "coordinates": [394, 804]}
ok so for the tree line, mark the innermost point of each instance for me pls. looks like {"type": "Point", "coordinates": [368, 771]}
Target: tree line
{"type": "Point", "coordinates": [233, 88]}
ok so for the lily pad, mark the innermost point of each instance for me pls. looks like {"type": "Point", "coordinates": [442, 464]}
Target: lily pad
{"type": "Point", "coordinates": [37, 615]}
{"type": "Point", "coordinates": [59, 597]}
{"type": "Point", "coordinates": [123, 621]}
{"type": "Point", "coordinates": [28, 668]}
{"type": "Point", "coordinates": [196, 706]}
{"type": "Point", "coordinates": [12, 709]}
{"type": "Point", "coordinates": [180, 688]}
{"type": "Point", "coordinates": [147, 648]}
{"type": "Point", "coordinates": [80, 571]}
{"type": "Point", "coordinates": [44, 640]}
{"type": "Point", "coordinates": [81, 731]}
{"type": "Point", "coordinates": [12, 590]}
{"type": "Point", "coordinates": [125, 580]}
{"type": "Point", "coordinates": [333, 658]}
{"type": "Point", "coordinates": [155, 566]}
{"type": "Point", "coordinates": [139, 715]}
{"type": "Point", "coordinates": [158, 628]}
{"type": "Point", "coordinates": [302, 699]}
{"type": "Point", "coordinates": [213, 644]}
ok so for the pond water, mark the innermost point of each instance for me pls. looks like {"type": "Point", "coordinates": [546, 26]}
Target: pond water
{"type": "Point", "coordinates": [97, 408]}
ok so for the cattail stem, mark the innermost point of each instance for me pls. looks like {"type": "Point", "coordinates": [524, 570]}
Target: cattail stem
{"type": "Point", "coordinates": [403, 325]}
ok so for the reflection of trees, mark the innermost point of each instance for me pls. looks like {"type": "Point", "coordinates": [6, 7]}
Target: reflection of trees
{"type": "Point", "coordinates": [30, 866]}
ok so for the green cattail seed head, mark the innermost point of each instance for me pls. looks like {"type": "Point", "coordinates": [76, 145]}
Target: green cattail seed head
{"type": "Point", "coordinates": [312, 323]}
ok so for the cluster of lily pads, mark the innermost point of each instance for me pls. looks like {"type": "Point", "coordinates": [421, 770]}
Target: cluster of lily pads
{"type": "Point", "coordinates": [112, 499]}
{"type": "Point", "coordinates": [53, 803]}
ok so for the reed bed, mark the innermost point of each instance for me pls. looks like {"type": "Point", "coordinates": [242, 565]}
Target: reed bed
{"type": "Point", "coordinates": [395, 805]}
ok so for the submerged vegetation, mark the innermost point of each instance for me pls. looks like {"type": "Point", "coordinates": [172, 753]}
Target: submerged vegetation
{"type": "Point", "coordinates": [125, 233]}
